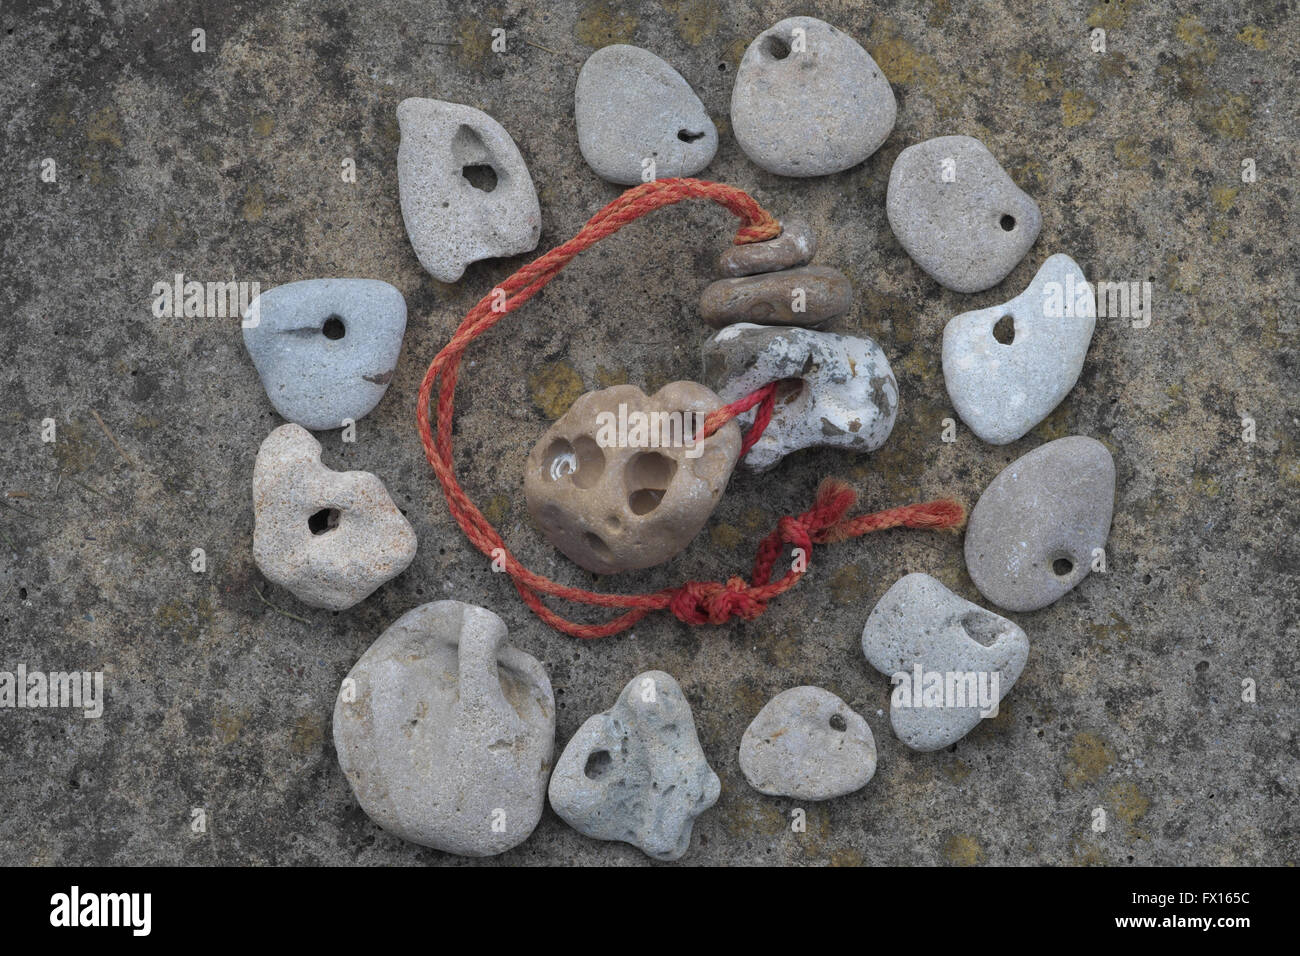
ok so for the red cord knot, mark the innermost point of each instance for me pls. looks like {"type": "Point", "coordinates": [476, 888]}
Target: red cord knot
{"type": "Point", "coordinates": [708, 602]}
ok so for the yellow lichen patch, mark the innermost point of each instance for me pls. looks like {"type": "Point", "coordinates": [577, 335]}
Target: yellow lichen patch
{"type": "Point", "coordinates": [554, 387]}
{"type": "Point", "coordinates": [184, 620]}
{"type": "Point", "coordinates": [1207, 485]}
{"type": "Point", "coordinates": [308, 732]}
{"type": "Point", "coordinates": [1116, 629]}
{"type": "Point", "coordinates": [475, 36]}
{"type": "Point", "coordinates": [957, 771]}
{"type": "Point", "coordinates": [1085, 854]}
{"type": "Point", "coordinates": [263, 124]}
{"type": "Point", "coordinates": [1088, 759]}
{"type": "Point", "coordinates": [105, 126]}
{"type": "Point", "coordinates": [1127, 802]}
{"type": "Point", "coordinates": [940, 10]}
{"type": "Point", "coordinates": [1055, 425]}
{"type": "Point", "coordinates": [73, 450]}
{"type": "Point", "coordinates": [962, 849]}
{"type": "Point", "coordinates": [726, 536]}
{"type": "Point", "coordinates": [497, 509]}
{"type": "Point", "coordinates": [1111, 14]}
{"type": "Point", "coordinates": [1076, 108]}
{"type": "Point", "coordinates": [846, 857]}
{"type": "Point", "coordinates": [783, 651]}
{"type": "Point", "coordinates": [696, 19]}
{"type": "Point", "coordinates": [227, 724]}
{"type": "Point", "coordinates": [1229, 117]}
{"type": "Point", "coordinates": [601, 23]}
{"type": "Point", "coordinates": [1253, 36]}
{"type": "Point", "coordinates": [1042, 79]}
{"type": "Point", "coordinates": [1191, 32]}
{"type": "Point", "coordinates": [746, 819]}
{"type": "Point", "coordinates": [903, 63]}
{"type": "Point", "coordinates": [1132, 152]}
{"type": "Point", "coordinates": [609, 377]}
{"type": "Point", "coordinates": [747, 699]}
{"type": "Point", "coordinates": [253, 207]}
{"type": "Point", "coordinates": [849, 585]}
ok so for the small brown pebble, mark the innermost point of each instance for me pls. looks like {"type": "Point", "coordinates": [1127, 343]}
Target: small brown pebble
{"type": "Point", "coordinates": [807, 296]}
{"type": "Point", "coordinates": [796, 246]}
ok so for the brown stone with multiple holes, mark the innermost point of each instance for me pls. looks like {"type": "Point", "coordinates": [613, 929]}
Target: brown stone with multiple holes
{"type": "Point", "coordinates": [619, 482]}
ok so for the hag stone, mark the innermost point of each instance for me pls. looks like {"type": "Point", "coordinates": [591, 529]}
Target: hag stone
{"type": "Point", "coordinates": [636, 773]}
{"type": "Point", "coordinates": [330, 537]}
{"type": "Point", "coordinates": [958, 214]}
{"type": "Point", "coordinates": [807, 296]}
{"type": "Point", "coordinates": [446, 732]}
{"type": "Point", "coordinates": [809, 100]}
{"type": "Point", "coordinates": [631, 109]}
{"type": "Point", "coordinates": [326, 349]}
{"type": "Point", "coordinates": [1037, 529]}
{"type": "Point", "coordinates": [843, 393]}
{"type": "Point", "coordinates": [619, 483]}
{"type": "Point", "coordinates": [807, 744]}
{"type": "Point", "coordinates": [465, 191]}
{"type": "Point", "coordinates": [1003, 389]}
{"type": "Point", "coordinates": [951, 660]}
{"type": "Point", "coordinates": [796, 246]}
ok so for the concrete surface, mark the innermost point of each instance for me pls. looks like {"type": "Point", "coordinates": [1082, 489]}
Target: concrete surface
{"type": "Point", "coordinates": [226, 164]}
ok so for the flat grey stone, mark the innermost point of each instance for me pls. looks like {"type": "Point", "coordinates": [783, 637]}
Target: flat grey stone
{"type": "Point", "coordinates": [967, 233]}
{"type": "Point", "coordinates": [630, 106]}
{"type": "Point", "coordinates": [465, 191]}
{"type": "Point", "coordinates": [446, 732]}
{"type": "Point", "coordinates": [1003, 390]}
{"type": "Point", "coordinates": [796, 246]}
{"type": "Point", "coordinates": [636, 773]}
{"type": "Point", "coordinates": [330, 537]}
{"type": "Point", "coordinates": [806, 296]}
{"type": "Point", "coordinates": [813, 110]}
{"type": "Point", "coordinates": [951, 661]}
{"type": "Point", "coordinates": [846, 395]}
{"type": "Point", "coordinates": [326, 349]}
{"type": "Point", "coordinates": [1032, 534]}
{"type": "Point", "coordinates": [806, 743]}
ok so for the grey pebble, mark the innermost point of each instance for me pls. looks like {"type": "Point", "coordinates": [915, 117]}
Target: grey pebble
{"type": "Point", "coordinates": [951, 661]}
{"type": "Point", "coordinates": [807, 744]}
{"type": "Point", "coordinates": [806, 296]}
{"type": "Point", "coordinates": [809, 100]}
{"type": "Point", "coordinates": [958, 214]}
{"type": "Point", "coordinates": [630, 106]}
{"type": "Point", "coordinates": [796, 246]}
{"type": "Point", "coordinates": [446, 732]}
{"type": "Point", "coordinates": [1032, 534]}
{"type": "Point", "coordinates": [326, 349]}
{"type": "Point", "coordinates": [636, 772]}
{"type": "Point", "coordinates": [330, 537]}
{"type": "Point", "coordinates": [465, 191]}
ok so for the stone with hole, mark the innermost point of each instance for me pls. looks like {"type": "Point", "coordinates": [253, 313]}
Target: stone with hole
{"type": "Point", "coordinates": [619, 482]}
{"type": "Point", "coordinates": [446, 732]}
{"type": "Point", "coordinates": [329, 537]}
{"type": "Point", "coordinates": [808, 744]}
{"type": "Point", "coordinates": [1042, 523]}
{"type": "Point", "coordinates": [637, 117]}
{"type": "Point", "coordinates": [465, 191]}
{"type": "Point", "coordinates": [836, 391]}
{"type": "Point", "coordinates": [958, 214]}
{"type": "Point", "coordinates": [951, 662]}
{"type": "Point", "coordinates": [795, 246]}
{"type": "Point", "coordinates": [1008, 366]}
{"type": "Point", "coordinates": [806, 296]}
{"type": "Point", "coordinates": [326, 349]}
{"type": "Point", "coordinates": [636, 772]}
{"type": "Point", "coordinates": [809, 101]}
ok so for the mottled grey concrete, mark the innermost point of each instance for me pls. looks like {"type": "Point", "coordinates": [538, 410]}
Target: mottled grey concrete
{"type": "Point", "coordinates": [227, 164]}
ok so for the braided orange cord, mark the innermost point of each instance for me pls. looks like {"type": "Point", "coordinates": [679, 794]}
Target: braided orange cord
{"type": "Point", "coordinates": [694, 602]}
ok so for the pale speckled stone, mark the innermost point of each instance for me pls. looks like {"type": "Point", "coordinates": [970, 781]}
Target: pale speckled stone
{"type": "Point", "coordinates": [847, 396]}
{"type": "Point", "coordinates": [957, 230]}
{"type": "Point", "coordinates": [363, 539]}
{"type": "Point", "coordinates": [446, 732]}
{"type": "Point", "coordinates": [796, 246]}
{"type": "Point", "coordinates": [1032, 534]}
{"type": "Point", "coordinates": [450, 221]}
{"type": "Point", "coordinates": [636, 773]}
{"type": "Point", "coordinates": [1002, 391]}
{"type": "Point", "coordinates": [630, 106]}
{"type": "Point", "coordinates": [919, 623]}
{"type": "Point", "coordinates": [811, 112]}
{"type": "Point", "coordinates": [326, 349]}
{"type": "Point", "coordinates": [807, 744]}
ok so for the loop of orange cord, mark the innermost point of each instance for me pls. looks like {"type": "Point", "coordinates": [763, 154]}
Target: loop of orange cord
{"type": "Point", "coordinates": [695, 602]}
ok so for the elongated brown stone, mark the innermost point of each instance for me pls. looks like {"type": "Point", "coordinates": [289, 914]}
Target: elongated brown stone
{"type": "Point", "coordinates": [807, 296]}
{"type": "Point", "coordinates": [796, 246]}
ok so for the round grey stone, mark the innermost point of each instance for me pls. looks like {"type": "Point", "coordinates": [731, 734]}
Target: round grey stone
{"type": "Point", "coordinates": [446, 732]}
{"type": "Point", "coordinates": [806, 743]}
{"type": "Point", "coordinates": [636, 773]}
{"type": "Point", "coordinates": [1001, 390]}
{"type": "Point", "coordinates": [630, 106]}
{"type": "Point", "coordinates": [326, 349]}
{"type": "Point", "coordinates": [1033, 533]}
{"type": "Point", "coordinates": [820, 292]}
{"type": "Point", "coordinates": [951, 662]}
{"type": "Point", "coordinates": [465, 191]}
{"type": "Point", "coordinates": [808, 100]}
{"type": "Point", "coordinates": [958, 214]}
{"type": "Point", "coordinates": [796, 246]}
